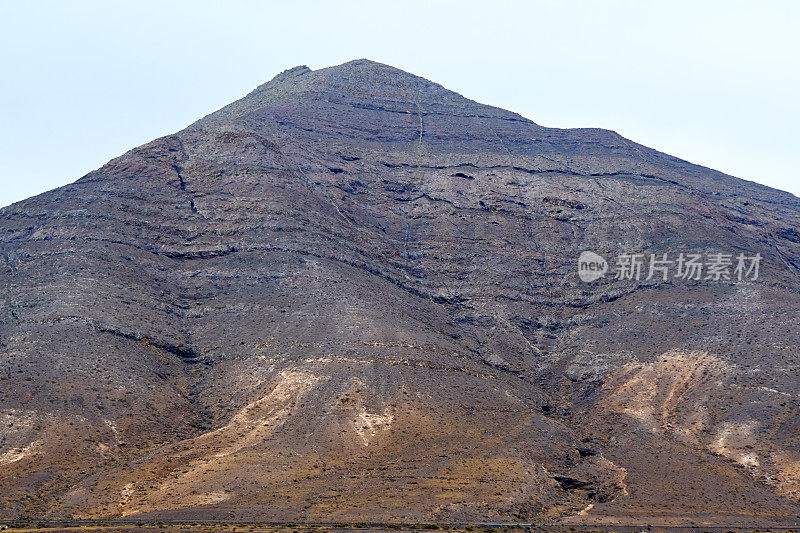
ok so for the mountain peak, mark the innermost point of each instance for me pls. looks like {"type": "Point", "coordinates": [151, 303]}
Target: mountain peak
{"type": "Point", "coordinates": [357, 81]}
{"type": "Point", "coordinates": [355, 279]}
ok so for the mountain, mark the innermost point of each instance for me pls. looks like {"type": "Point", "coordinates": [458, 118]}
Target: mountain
{"type": "Point", "coordinates": [355, 295]}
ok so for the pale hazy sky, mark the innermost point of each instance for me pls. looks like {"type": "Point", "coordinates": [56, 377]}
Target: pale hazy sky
{"type": "Point", "coordinates": [716, 83]}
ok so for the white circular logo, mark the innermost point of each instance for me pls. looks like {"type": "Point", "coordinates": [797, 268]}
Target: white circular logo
{"type": "Point", "coordinates": [591, 267]}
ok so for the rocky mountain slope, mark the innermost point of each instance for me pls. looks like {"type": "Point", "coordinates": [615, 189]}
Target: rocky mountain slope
{"type": "Point", "coordinates": [354, 295]}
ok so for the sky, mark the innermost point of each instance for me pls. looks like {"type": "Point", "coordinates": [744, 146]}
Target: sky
{"type": "Point", "coordinates": [712, 82]}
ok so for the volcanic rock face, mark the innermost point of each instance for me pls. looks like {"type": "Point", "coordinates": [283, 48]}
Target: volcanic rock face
{"type": "Point", "coordinates": [353, 295]}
